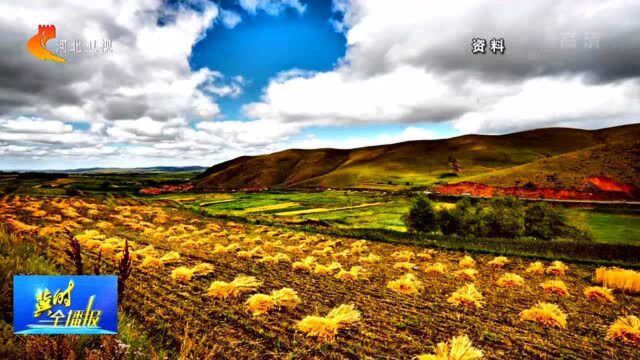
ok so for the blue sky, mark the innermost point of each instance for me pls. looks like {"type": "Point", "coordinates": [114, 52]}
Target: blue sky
{"type": "Point", "coordinates": [262, 45]}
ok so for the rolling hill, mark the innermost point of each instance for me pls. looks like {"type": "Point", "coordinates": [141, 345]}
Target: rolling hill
{"type": "Point", "coordinates": [495, 159]}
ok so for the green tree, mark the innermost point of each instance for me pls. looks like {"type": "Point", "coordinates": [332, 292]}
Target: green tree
{"type": "Point", "coordinates": [544, 221]}
{"type": "Point", "coordinates": [422, 216]}
{"type": "Point", "coordinates": [504, 217]}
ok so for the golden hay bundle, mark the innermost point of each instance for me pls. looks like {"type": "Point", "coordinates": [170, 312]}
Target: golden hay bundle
{"type": "Point", "coordinates": [371, 258]}
{"type": "Point", "coordinates": [219, 249]}
{"type": "Point", "coordinates": [404, 255]}
{"type": "Point", "coordinates": [342, 254]}
{"type": "Point", "coordinates": [408, 284]}
{"type": "Point", "coordinates": [274, 259]}
{"type": "Point", "coordinates": [89, 235]}
{"type": "Point", "coordinates": [50, 230]}
{"type": "Point", "coordinates": [272, 245]}
{"type": "Point", "coordinates": [556, 287]}
{"type": "Point", "coordinates": [436, 268]}
{"type": "Point", "coordinates": [242, 283]}
{"type": "Point", "coordinates": [625, 329]}
{"type": "Point", "coordinates": [327, 269]}
{"type": "Point", "coordinates": [286, 297]}
{"type": "Point", "coordinates": [182, 274]}
{"type": "Point", "coordinates": [151, 263]}
{"type": "Point", "coordinates": [466, 274]}
{"type": "Point", "coordinates": [326, 328]}
{"type": "Point", "coordinates": [108, 249]}
{"type": "Point", "coordinates": [467, 262]}
{"type": "Point", "coordinates": [467, 296]}
{"type": "Point", "coordinates": [359, 247]}
{"type": "Point", "coordinates": [557, 268]}
{"type": "Point", "coordinates": [248, 254]}
{"type": "Point", "coordinates": [354, 274]}
{"type": "Point", "coordinates": [202, 269]}
{"type": "Point", "coordinates": [426, 255]}
{"type": "Point", "coordinates": [104, 225]}
{"type": "Point", "coordinates": [146, 251]}
{"type": "Point", "coordinates": [510, 280]}
{"type": "Point", "coordinates": [621, 279]}
{"type": "Point", "coordinates": [259, 304]}
{"type": "Point", "coordinates": [498, 262]}
{"type": "Point", "coordinates": [326, 251]}
{"type": "Point", "coordinates": [545, 314]}
{"type": "Point", "coordinates": [170, 257]}
{"type": "Point", "coordinates": [458, 348]}
{"type": "Point", "coordinates": [404, 265]}
{"type": "Point", "coordinates": [132, 255]}
{"type": "Point", "coordinates": [535, 268]}
{"type": "Point", "coordinates": [304, 265]}
{"type": "Point", "coordinates": [599, 293]}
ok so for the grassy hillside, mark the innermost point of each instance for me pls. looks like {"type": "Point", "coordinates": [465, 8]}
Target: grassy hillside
{"type": "Point", "coordinates": [619, 161]}
{"type": "Point", "coordinates": [408, 164]}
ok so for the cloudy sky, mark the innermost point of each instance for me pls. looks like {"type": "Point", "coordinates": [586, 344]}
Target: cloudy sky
{"type": "Point", "coordinates": [199, 82]}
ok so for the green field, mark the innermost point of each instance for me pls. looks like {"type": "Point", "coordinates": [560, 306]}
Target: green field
{"type": "Point", "coordinates": [620, 226]}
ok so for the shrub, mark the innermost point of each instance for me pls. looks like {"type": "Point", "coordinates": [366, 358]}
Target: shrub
{"type": "Point", "coordinates": [625, 329]}
{"type": "Point", "coordinates": [325, 328]}
{"type": "Point", "coordinates": [458, 348]}
{"type": "Point", "coordinates": [545, 314]}
{"type": "Point", "coordinates": [450, 220]}
{"type": "Point", "coordinates": [422, 216]}
{"type": "Point", "coordinates": [408, 284]}
{"type": "Point", "coordinates": [621, 279]}
{"type": "Point", "coordinates": [599, 294]}
{"type": "Point", "coordinates": [556, 287]}
{"type": "Point", "coordinates": [510, 280]}
{"type": "Point", "coordinates": [504, 217]}
{"type": "Point", "coordinates": [544, 221]}
{"type": "Point", "coordinates": [467, 296]}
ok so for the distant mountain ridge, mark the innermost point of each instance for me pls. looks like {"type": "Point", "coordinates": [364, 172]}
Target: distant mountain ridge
{"type": "Point", "coordinates": [106, 170]}
{"type": "Point", "coordinates": [423, 162]}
